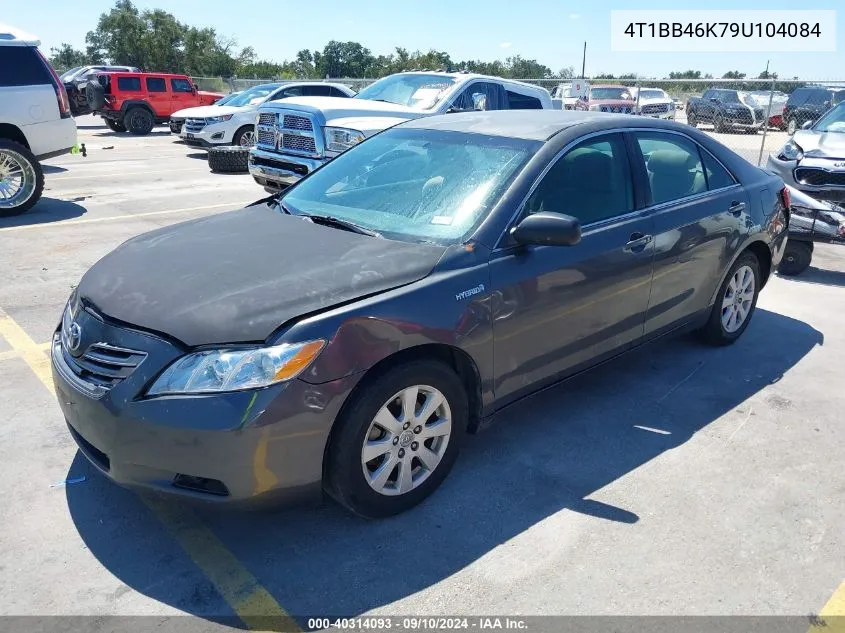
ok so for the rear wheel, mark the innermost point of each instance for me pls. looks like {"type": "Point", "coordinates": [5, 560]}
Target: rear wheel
{"type": "Point", "coordinates": [115, 126]}
{"type": "Point", "coordinates": [735, 302]}
{"type": "Point", "coordinates": [21, 179]}
{"type": "Point", "coordinates": [397, 439]}
{"type": "Point", "coordinates": [796, 258]}
{"type": "Point", "coordinates": [139, 121]}
{"type": "Point", "coordinates": [229, 159]}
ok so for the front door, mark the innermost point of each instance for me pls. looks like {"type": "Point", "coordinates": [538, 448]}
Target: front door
{"type": "Point", "coordinates": [183, 95]}
{"type": "Point", "coordinates": [558, 309]}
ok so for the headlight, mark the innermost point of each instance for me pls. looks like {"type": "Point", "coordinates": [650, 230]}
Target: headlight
{"type": "Point", "coordinates": [218, 119]}
{"type": "Point", "coordinates": [340, 139]}
{"type": "Point", "coordinates": [236, 369]}
{"type": "Point", "coordinates": [791, 151]}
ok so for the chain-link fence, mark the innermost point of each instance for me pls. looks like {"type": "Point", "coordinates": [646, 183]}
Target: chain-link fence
{"type": "Point", "coordinates": [753, 117]}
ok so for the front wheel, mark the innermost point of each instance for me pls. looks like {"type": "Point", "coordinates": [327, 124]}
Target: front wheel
{"type": "Point", "coordinates": [692, 120]}
{"type": "Point", "coordinates": [718, 124]}
{"type": "Point", "coordinates": [796, 258]}
{"type": "Point", "coordinates": [244, 137]}
{"type": "Point", "coordinates": [21, 179]}
{"type": "Point", "coordinates": [735, 302]}
{"type": "Point", "coordinates": [397, 439]}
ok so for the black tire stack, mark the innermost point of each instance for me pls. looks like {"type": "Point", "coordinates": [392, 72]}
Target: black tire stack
{"type": "Point", "coordinates": [228, 159]}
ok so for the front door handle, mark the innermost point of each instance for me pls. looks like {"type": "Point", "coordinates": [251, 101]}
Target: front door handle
{"type": "Point", "coordinates": [736, 208]}
{"type": "Point", "coordinates": [637, 242]}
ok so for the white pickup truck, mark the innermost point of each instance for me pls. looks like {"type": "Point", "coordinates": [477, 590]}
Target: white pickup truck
{"type": "Point", "coordinates": [296, 136]}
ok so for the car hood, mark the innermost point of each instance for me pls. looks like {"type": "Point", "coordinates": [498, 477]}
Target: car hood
{"type": "Point", "coordinates": [237, 277]}
{"type": "Point", "coordinates": [329, 108]}
{"type": "Point", "coordinates": [199, 112]}
{"type": "Point", "coordinates": [821, 144]}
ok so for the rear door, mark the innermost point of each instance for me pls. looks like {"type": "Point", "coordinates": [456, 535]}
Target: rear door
{"type": "Point", "coordinates": [700, 215]}
{"type": "Point", "coordinates": [157, 95]}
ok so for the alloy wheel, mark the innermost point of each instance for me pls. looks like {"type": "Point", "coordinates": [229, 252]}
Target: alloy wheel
{"type": "Point", "coordinates": [17, 179]}
{"type": "Point", "coordinates": [406, 440]}
{"type": "Point", "coordinates": [247, 139]}
{"type": "Point", "coordinates": [738, 299]}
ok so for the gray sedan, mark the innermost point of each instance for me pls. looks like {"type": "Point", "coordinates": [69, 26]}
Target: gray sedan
{"type": "Point", "coordinates": [345, 334]}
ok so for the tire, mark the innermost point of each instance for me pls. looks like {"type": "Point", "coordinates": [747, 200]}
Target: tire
{"type": "Point", "coordinates": [356, 426]}
{"type": "Point", "coordinates": [95, 95]}
{"type": "Point", "coordinates": [796, 258]}
{"type": "Point", "coordinates": [229, 159]}
{"type": "Point", "coordinates": [791, 126]}
{"type": "Point", "coordinates": [691, 120]}
{"type": "Point", "coordinates": [715, 331]}
{"type": "Point", "coordinates": [20, 174]}
{"type": "Point", "coordinates": [718, 124]}
{"type": "Point", "coordinates": [115, 126]}
{"type": "Point", "coordinates": [139, 121]}
{"type": "Point", "coordinates": [244, 137]}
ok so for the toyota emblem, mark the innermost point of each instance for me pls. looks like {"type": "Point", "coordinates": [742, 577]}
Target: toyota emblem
{"type": "Point", "coordinates": [74, 336]}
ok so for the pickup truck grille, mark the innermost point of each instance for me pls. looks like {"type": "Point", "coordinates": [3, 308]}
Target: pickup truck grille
{"type": "Point", "coordinates": [820, 177]}
{"type": "Point", "coordinates": [295, 133]}
{"type": "Point", "coordinates": [655, 108]}
{"type": "Point", "coordinates": [617, 109]}
{"type": "Point", "coordinates": [194, 125]}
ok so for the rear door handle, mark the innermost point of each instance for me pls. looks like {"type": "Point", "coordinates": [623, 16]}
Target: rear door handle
{"type": "Point", "coordinates": [637, 242]}
{"type": "Point", "coordinates": [736, 208]}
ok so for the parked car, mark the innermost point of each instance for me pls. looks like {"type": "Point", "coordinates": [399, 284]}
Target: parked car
{"type": "Point", "coordinates": [136, 102]}
{"type": "Point", "coordinates": [726, 110]}
{"type": "Point", "coordinates": [807, 104]}
{"type": "Point", "coordinates": [567, 97]}
{"type": "Point", "coordinates": [347, 332]}
{"type": "Point", "coordinates": [234, 124]}
{"type": "Point", "coordinates": [177, 119]}
{"type": "Point", "coordinates": [811, 221]}
{"type": "Point", "coordinates": [35, 120]}
{"type": "Point", "coordinates": [77, 79]}
{"type": "Point", "coordinates": [761, 99]}
{"type": "Point", "coordinates": [653, 102]}
{"type": "Point", "coordinates": [813, 160]}
{"type": "Point", "coordinates": [298, 135]}
{"type": "Point", "coordinates": [617, 99]}
{"type": "Point", "coordinates": [679, 105]}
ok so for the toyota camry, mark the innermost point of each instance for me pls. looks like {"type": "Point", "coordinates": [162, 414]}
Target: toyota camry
{"type": "Point", "coordinates": [346, 334]}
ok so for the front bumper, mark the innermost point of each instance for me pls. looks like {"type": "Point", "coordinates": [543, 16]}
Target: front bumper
{"type": "Point", "coordinates": [240, 447]}
{"type": "Point", "coordinates": [209, 136]}
{"type": "Point", "coordinates": [276, 170]}
{"type": "Point", "coordinates": [786, 170]}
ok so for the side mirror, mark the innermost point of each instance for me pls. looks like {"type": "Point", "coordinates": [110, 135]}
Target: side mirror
{"type": "Point", "coordinates": [806, 125]}
{"type": "Point", "coordinates": [548, 229]}
{"type": "Point", "coordinates": [479, 101]}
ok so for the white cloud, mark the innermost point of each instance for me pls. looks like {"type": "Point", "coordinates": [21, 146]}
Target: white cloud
{"type": "Point", "coordinates": [574, 16]}
{"type": "Point", "coordinates": [505, 45]}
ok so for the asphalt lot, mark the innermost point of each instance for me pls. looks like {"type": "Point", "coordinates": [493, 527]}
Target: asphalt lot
{"type": "Point", "coordinates": [678, 480]}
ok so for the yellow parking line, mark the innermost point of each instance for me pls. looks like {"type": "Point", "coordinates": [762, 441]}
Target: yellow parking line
{"type": "Point", "coordinates": [110, 218]}
{"type": "Point", "coordinates": [832, 616]}
{"type": "Point", "coordinates": [239, 588]}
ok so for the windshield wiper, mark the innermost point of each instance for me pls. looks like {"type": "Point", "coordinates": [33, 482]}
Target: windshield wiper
{"type": "Point", "coordinates": [346, 225]}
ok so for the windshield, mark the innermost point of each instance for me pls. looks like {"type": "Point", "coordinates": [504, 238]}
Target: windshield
{"type": "Point", "coordinates": [833, 121]}
{"type": "Point", "coordinates": [254, 95]}
{"type": "Point", "coordinates": [653, 94]}
{"type": "Point", "coordinates": [611, 93]}
{"type": "Point", "coordinates": [414, 185]}
{"type": "Point", "coordinates": [414, 91]}
{"type": "Point", "coordinates": [68, 74]}
{"type": "Point", "coordinates": [227, 99]}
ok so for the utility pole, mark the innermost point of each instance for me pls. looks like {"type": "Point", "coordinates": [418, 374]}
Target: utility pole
{"type": "Point", "coordinates": [584, 61]}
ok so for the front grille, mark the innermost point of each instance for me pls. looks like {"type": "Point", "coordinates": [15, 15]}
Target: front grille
{"type": "Point", "coordinates": [103, 365]}
{"type": "Point", "coordinates": [194, 125]}
{"type": "Point", "coordinates": [298, 143]}
{"type": "Point", "coordinates": [820, 177]}
{"type": "Point", "coordinates": [267, 118]}
{"type": "Point", "coordinates": [617, 109]}
{"type": "Point", "coordinates": [266, 137]}
{"type": "Point", "coordinates": [293, 122]}
{"type": "Point", "coordinates": [655, 108]}
{"type": "Point", "coordinates": [741, 116]}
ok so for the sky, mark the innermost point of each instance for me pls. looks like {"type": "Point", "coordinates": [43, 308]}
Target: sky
{"type": "Point", "coordinates": [551, 31]}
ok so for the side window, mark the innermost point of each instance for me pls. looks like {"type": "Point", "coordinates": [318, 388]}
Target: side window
{"type": "Point", "coordinates": [156, 84]}
{"type": "Point", "coordinates": [674, 166]}
{"type": "Point", "coordinates": [129, 84]}
{"type": "Point", "coordinates": [518, 101]}
{"type": "Point", "coordinates": [591, 182]}
{"type": "Point", "coordinates": [181, 85]}
{"type": "Point", "coordinates": [21, 66]}
{"type": "Point", "coordinates": [296, 91]}
{"type": "Point", "coordinates": [717, 176]}
{"type": "Point", "coordinates": [707, 94]}
{"type": "Point", "coordinates": [482, 95]}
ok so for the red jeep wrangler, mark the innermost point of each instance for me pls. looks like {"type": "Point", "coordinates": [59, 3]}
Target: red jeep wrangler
{"type": "Point", "coordinates": [137, 101]}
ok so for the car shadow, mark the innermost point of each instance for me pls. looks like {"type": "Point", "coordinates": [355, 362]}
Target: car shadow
{"type": "Point", "coordinates": [821, 276]}
{"type": "Point", "coordinates": [52, 169]}
{"type": "Point", "coordinates": [582, 436]}
{"type": "Point", "coordinates": [45, 211]}
{"type": "Point", "coordinates": [198, 155]}
{"type": "Point", "coordinates": [129, 134]}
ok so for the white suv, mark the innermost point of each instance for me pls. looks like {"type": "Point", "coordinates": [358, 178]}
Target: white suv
{"type": "Point", "coordinates": [234, 123]}
{"type": "Point", "coordinates": [35, 120]}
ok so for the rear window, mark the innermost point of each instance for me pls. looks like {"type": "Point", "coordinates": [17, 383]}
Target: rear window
{"type": "Point", "coordinates": [518, 101]}
{"type": "Point", "coordinates": [156, 84]}
{"type": "Point", "coordinates": [819, 97]}
{"type": "Point", "coordinates": [129, 84]}
{"type": "Point", "coordinates": [21, 66]}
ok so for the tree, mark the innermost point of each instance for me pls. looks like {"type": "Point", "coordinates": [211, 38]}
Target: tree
{"type": "Point", "coordinates": [66, 57]}
{"type": "Point", "coordinates": [733, 74]}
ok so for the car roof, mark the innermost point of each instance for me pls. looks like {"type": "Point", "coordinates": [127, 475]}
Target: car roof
{"type": "Point", "coordinates": [535, 125]}
{"type": "Point", "coordinates": [11, 36]}
{"type": "Point", "coordinates": [465, 76]}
